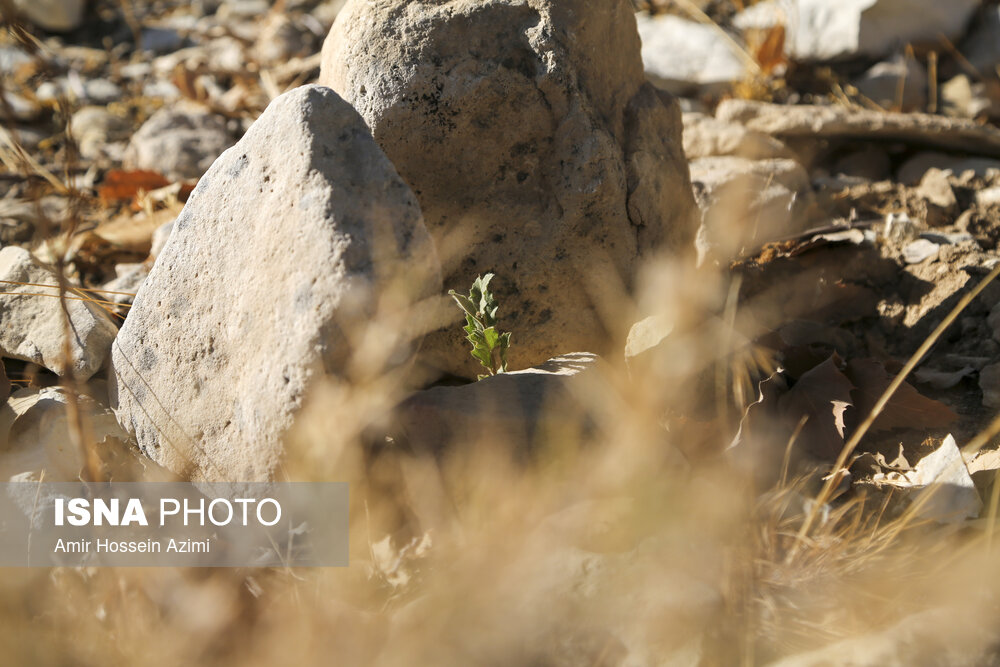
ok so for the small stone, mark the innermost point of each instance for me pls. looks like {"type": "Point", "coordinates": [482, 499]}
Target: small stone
{"type": "Point", "coordinates": [161, 40]}
{"type": "Point", "coordinates": [919, 251]}
{"type": "Point", "coordinates": [949, 238]}
{"type": "Point", "coordinates": [54, 15]}
{"type": "Point", "coordinates": [705, 136]}
{"type": "Point", "coordinates": [276, 267]}
{"type": "Point", "coordinates": [21, 108]}
{"type": "Point", "coordinates": [988, 197]}
{"type": "Point", "coordinates": [101, 91]}
{"type": "Point", "coordinates": [33, 327]}
{"type": "Point", "coordinates": [35, 434]}
{"type": "Point", "coordinates": [899, 228]}
{"type": "Point", "coordinates": [97, 132]}
{"type": "Point", "coordinates": [935, 189]}
{"type": "Point", "coordinates": [989, 382]}
{"type": "Point", "coordinates": [180, 142]}
{"type": "Point", "coordinates": [913, 170]}
{"type": "Point", "coordinates": [961, 98]}
{"type": "Point", "coordinates": [745, 203]}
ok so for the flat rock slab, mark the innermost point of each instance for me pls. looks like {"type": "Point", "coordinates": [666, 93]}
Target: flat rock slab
{"type": "Point", "coordinates": [509, 409]}
{"type": "Point", "coordinates": [288, 247]}
{"type": "Point", "coordinates": [33, 326]}
{"type": "Point", "coordinates": [835, 122]}
{"type": "Point", "coordinates": [536, 147]}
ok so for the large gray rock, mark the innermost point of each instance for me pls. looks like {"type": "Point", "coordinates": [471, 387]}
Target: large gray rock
{"type": "Point", "coordinates": [823, 30]}
{"type": "Point", "coordinates": [535, 146]}
{"type": "Point", "coordinates": [289, 245]}
{"type": "Point", "coordinates": [180, 142]}
{"type": "Point", "coordinates": [32, 327]}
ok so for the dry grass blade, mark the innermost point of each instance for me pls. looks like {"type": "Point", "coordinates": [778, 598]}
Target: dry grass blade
{"type": "Point", "coordinates": [70, 298]}
{"type": "Point", "coordinates": [75, 289]}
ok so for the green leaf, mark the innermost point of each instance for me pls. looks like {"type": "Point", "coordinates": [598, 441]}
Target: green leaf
{"type": "Point", "coordinates": [492, 337]}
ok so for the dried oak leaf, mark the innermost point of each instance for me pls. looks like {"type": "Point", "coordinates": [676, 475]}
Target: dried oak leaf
{"type": "Point", "coordinates": [907, 408]}
{"type": "Point", "coordinates": [823, 396]}
{"type": "Point", "coordinates": [121, 185]}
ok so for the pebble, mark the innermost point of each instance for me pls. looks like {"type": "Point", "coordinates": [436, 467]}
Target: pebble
{"type": "Point", "coordinates": [919, 251]}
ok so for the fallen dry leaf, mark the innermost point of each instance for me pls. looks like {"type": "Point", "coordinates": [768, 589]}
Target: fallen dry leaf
{"type": "Point", "coordinates": [122, 185]}
{"type": "Point", "coordinates": [823, 396]}
{"type": "Point", "coordinates": [907, 408]}
{"type": "Point", "coordinates": [770, 54]}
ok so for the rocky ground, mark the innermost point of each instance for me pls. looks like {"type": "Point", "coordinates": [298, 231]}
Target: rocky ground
{"type": "Point", "coordinates": [842, 198]}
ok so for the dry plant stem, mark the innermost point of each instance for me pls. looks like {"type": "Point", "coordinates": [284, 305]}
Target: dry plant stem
{"type": "Point", "coordinates": [851, 445]}
{"type": "Point", "coordinates": [722, 367]}
{"type": "Point", "coordinates": [969, 68]}
{"type": "Point", "coordinates": [932, 76]}
{"type": "Point", "coordinates": [68, 298]}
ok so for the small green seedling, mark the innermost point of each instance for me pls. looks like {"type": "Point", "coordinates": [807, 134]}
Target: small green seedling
{"type": "Point", "coordinates": [489, 346]}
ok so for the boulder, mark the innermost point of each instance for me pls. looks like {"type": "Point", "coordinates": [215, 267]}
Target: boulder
{"type": "Point", "coordinates": [535, 146]}
{"type": "Point", "coordinates": [33, 326]}
{"type": "Point", "coordinates": [180, 142]}
{"type": "Point", "coordinates": [289, 246]}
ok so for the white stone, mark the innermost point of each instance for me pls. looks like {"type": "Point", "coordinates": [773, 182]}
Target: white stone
{"type": "Point", "coordinates": [180, 142]}
{"type": "Point", "coordinates": [33, 328]}
{"type": "Point", "coordinates": [824, 30]}
{"type": "Point", "coordinates": [920, 250]}
{"type": "Point", "coordinates": [682, 56]}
